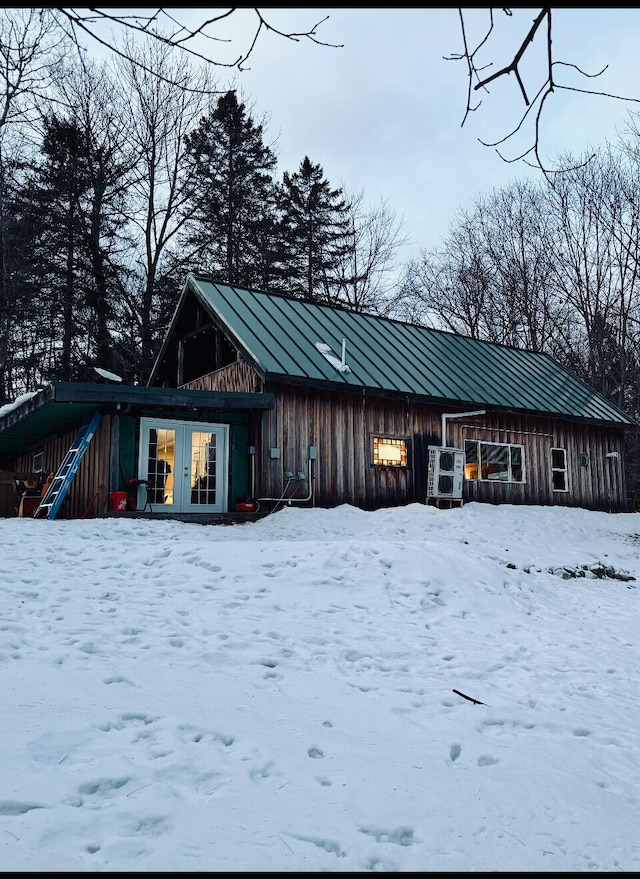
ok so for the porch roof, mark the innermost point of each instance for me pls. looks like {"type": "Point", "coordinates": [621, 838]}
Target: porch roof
{"type": "Point", "coordinates": [60, 406]}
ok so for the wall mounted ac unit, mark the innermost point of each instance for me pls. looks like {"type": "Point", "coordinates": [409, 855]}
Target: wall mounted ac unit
{"type": "Point", "coordinates": [445, 472]}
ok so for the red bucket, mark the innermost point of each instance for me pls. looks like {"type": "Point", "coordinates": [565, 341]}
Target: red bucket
{"type": "Point", "coordinates": [118, 501]}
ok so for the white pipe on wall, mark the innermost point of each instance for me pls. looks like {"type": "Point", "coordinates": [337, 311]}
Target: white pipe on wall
{"type": "Point", "coordinates": [293, 500]}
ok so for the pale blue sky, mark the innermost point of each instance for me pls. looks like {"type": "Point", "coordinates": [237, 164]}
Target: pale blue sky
{"type": "Point", "coordinates": [383, 114]}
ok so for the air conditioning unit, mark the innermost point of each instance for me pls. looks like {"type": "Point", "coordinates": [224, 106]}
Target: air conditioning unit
{"type": "Point", "coordinates": [445, 472]}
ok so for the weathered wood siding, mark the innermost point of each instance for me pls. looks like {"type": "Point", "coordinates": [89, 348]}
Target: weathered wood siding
{"type": "Point", "coordinates": [237, 376]}
{"type": "Point", "coordinates": [599, 485]}
{"type": "Point", "coordinates": [93, 470]}
{"type": "Point", "coordinates": [340, 426]}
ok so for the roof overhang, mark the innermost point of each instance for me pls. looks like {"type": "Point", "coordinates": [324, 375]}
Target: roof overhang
{"type": "Point", "coordinates": [62, 405]}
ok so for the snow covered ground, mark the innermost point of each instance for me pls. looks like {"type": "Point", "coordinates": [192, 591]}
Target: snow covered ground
{"type": "Point", "coordinates": [322, 690]}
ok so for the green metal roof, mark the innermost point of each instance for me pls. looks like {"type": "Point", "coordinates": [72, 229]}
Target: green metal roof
{"type": "Point", "coordinates": [278, 335]}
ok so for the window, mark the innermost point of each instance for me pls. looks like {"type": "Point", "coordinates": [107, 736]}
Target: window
{"type": "Point", "coordinates": [493, 462]}
{"type": "Point", "coordinates": [37, 465]}
{"type": "Point", "coordinates": [559, 469]}
{"type": "Point", "coordinates": [389, 451]}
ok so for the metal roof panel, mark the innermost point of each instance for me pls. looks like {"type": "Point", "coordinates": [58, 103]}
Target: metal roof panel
{"type": "Point", "coordinates": [386, 355]}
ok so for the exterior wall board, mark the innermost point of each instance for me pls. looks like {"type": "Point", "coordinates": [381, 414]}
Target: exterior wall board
{"type": "Point", "coordinates": [93, 470]}
{"type": "Point", "coordinates": [341, 426]}
{"type": "Point", "coordinates": [238, 376]}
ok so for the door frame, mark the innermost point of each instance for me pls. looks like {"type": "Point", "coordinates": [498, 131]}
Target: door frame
{"type": "Point", "coordinates": [182, 461]}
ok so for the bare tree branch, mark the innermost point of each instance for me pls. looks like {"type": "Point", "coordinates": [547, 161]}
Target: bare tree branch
{"type": "Point", "coordinates": [91, 23]}
{"type": "Point", "coordinates": [513, 66]}
{"type": "Point", "coordinates": [478, 79]}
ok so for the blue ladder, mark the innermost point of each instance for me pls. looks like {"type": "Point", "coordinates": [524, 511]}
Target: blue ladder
{"type": "Point", "coordinates": [57, 491]}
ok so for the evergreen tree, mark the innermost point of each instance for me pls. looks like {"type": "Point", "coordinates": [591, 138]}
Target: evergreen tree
{"type": "Point", "coordinates": [77, 188]}
{"type": "Point", "coordinates": [233, 228]}
{"type": "Point", "coordinates": [316, 233]}
{"type": "Point", "coordinates": [58, 261]}
{"type": "Point", "coordinates": [20, 314]}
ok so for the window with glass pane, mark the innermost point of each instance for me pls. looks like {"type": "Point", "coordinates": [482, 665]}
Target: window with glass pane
{"type": "Point", "coordinates": [203, 467]}
{"type": "Point", "coordinates": [162, 445]}
{"type": "Point", "coordinates": [471, 460]}
{"type": "Point", "coordinates": [517, 473]}
{"type": "Point", "coordinates": [493, 462]}
{"type": "Point", "coordinates": [389, 451]}
{"type": "Point", "coordinates": [559, 469]}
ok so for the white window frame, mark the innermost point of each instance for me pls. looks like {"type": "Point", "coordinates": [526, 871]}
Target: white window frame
{"type": "Point", "coordinates": [563, 469]}
{"type": "Point", "coordinates": [509, 446]}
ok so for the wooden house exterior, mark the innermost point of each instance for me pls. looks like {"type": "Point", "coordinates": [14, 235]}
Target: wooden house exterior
{"type": "Point", "coordinates": [258, 400]}
{"type": "Point", "coordinates": [342, 427]}
{"type": "Point", "coordinates": [343, 381]}
{"type": "Point", "coordinates": [37, 434]}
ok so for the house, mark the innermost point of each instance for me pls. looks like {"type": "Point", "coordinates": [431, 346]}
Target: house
{"type": "Point", "coordinates": [259, 399]}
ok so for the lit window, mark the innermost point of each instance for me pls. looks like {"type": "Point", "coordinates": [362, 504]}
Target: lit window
{"type": "Point", "coordinates": [493, 462]}
{"type": "Point", "coordinates": [389, 451]}
{"type": "Point", "coordinates": [559, 469]}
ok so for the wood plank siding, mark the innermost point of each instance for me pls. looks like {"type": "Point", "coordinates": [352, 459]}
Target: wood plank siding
{"type": "Point", "coordinates": [238, 376]}
{"type": "Point", "coordinates": [340, 425]}
{"type": "Point", "coordinates": [93, 470]}
{"type": "Point", "coordinates": [598, 484]}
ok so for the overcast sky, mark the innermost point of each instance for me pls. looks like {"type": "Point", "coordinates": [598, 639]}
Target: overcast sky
{"type": "Point", "coordinates": [383, 113]}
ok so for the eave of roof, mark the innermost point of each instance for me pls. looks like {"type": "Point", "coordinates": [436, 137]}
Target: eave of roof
{"type": "Point", "coordinates": [62, 405]}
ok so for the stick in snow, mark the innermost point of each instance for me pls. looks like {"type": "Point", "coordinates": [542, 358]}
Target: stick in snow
{"type": "Point", "coordinates": [475, 701]}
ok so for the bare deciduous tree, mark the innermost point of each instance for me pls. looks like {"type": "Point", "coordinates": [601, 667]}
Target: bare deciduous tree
{"type": "Point", "coordinates": [491, 279]}
{"type": "Point", "coordinates": [452, 288]}
{"type": "Point", "coordinates": [30, 52]}
{"type": "Point", "coordinates": [513, 233]}
{"type": "Point", "coordinates": [161, 110]}
{"type": "Point", "coordinates": [366, 274]}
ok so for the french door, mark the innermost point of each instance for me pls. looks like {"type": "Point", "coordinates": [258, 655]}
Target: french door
{"type": "Point", "coordinates": [185, 465]}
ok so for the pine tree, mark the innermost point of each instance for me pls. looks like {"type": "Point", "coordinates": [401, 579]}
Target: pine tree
{"type": "Point", "coordinates": [315, 231]}
{"type": "Point", "coordinates": [77, 188]}
{"type": "Point", "coordinates": [20, 302]}
{"type": "Point", "coordinates": [58, 186]}
{"type": "Point", "coordinates": [233, 227]}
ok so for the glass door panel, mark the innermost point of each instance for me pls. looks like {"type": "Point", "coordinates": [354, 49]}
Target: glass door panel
{"type": "Point", "coordinates": [203, 467]}
{"type": "Point", "coordinates": [206, 470]}
{"type": "Point", "coordinates": [160, 465]}
{"type": "Point", "coordinates": [185, 465]}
